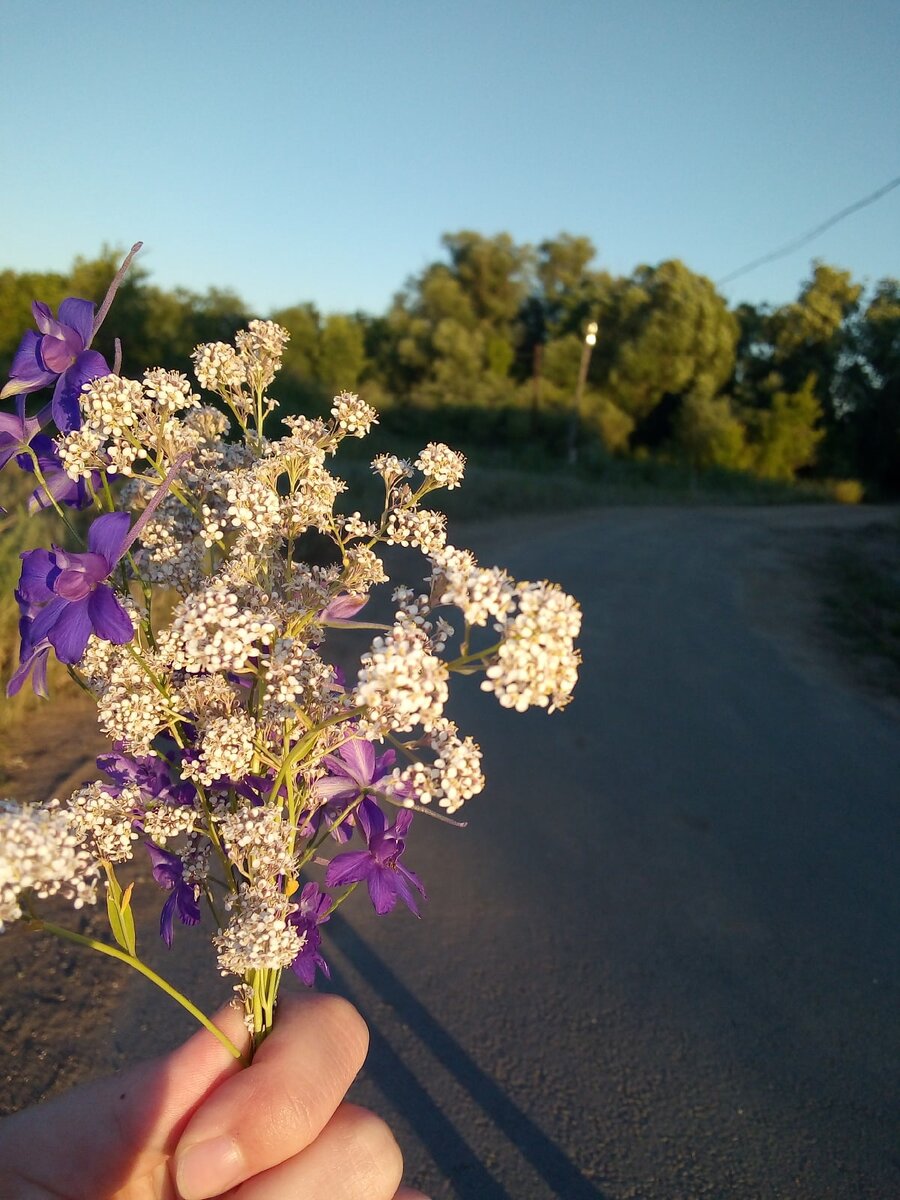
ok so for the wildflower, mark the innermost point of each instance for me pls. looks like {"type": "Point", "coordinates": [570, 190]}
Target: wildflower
{"type": "Point", "coordinates": [354, 769]}
{"type": "Point", "coordinates": [40, 854]}
{"type": "Point", "coordinates": [168, 871]}
{"type": "Point", "coordinates": [312, 912]}
{"type": "Point", "coordinates": [16, 432]}
{"type": "Point", "coordinates": [59, 352]}
{"type": "Point", "coordinates": [32, 654]}
{"type": "Point", "coordinates": [441, 466]}
{"type": "Point", "coordinates": [379, 865]}
{"type": "Point", "coordinates": [72, 589]}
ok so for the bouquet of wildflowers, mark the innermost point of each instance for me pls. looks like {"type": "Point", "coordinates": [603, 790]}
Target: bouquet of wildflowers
{"type": "Point", "coordinates": [263, 781]}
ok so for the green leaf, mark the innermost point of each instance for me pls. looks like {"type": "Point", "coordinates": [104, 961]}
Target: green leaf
{"type": "Point", "coordinates": [121, 919]}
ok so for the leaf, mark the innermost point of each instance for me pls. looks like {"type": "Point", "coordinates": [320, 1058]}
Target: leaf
{"type": "Point", "coordinates": [121, 918]}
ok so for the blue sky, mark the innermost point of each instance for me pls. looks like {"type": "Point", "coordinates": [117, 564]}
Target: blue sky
{"type": "Point", "coordinates": [317, 150]}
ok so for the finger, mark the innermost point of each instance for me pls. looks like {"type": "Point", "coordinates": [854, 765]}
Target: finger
{"type": "Point", "coordinates": [355, 1157]}
{"type": "Point", "coordinates": [277, 1107]}
{"type": "Point", "coordinates": [91, 1133]}
{"type": "Point", "coordinates": [406, 1193]}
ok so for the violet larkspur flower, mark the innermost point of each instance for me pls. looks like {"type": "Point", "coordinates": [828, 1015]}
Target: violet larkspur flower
{"type": "Point", "coordinates": [353, 769]}
{"type": "Point", "coordinates": [58, 352]}
{"type": "Point", "coordinates": [168, 871]}
{"type": "Point", "coordinates": [312, 911]}
{"type": "Point", "coordinates": [16, 432]}
{"type": "Point", "coordinates": [32, 654]}
{"type": "Point", "coordinates": [386, 877]}
{"type": "Point", "coordinates": [149, 773]}
{"type": "Point", "coordinates": [73, 591]}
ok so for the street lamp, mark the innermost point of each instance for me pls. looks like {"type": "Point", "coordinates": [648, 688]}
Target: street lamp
{"type": "Point", "coordinates": [590, 341]}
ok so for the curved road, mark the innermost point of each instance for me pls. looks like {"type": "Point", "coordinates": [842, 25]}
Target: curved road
{"type": "Point", "coordinates": [661, 963]}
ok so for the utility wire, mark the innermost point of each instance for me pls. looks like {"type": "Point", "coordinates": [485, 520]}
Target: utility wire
{"type": "Point", "coordinates": [813, 233]}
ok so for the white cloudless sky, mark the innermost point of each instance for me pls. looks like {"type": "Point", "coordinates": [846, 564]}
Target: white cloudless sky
{"type": "Point", "coordinates": [317, 151]}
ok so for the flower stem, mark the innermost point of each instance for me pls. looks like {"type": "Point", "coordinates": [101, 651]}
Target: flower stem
{"type": "Point", "coordinates": [115, 952]}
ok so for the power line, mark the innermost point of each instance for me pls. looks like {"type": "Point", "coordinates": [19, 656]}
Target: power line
{"type": "Point", "coordinates": [813, 233]}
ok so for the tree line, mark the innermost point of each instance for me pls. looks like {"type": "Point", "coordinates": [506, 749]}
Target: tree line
{"type": "Point", "coordinates": [485, 345]}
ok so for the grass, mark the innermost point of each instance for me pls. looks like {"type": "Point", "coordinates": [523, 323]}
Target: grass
{"type": "Point", "coordinates": [862, 601]}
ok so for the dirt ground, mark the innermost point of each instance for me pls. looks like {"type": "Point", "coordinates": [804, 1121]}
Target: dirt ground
{"type": "Point", "coordinates": [61, 1007]}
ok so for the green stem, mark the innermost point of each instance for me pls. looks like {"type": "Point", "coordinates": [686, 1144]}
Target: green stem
{"type": "Point", "coordinates": [115, 952]}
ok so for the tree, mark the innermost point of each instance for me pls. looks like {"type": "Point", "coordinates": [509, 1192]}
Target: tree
{"type": "Point", "coordinates": [664, 333]}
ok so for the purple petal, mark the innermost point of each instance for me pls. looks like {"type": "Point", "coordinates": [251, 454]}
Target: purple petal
{"type": "Point", "coordinates": [69, 634]}
{"type": "Point", "coordinates": [36, 658]}
{"type": "Point", "coordinates": [359, 755]}
{"type": "Point", "coordinates": [46, 618]}
{"type": "Point", "coordinates": [66, 405]}
{"type": "Point", "coordinates": [60, 349]}
{"type": "Point", "coordinates": [78, 315]}
{"type": "Point", "coordinates": [343, 607]}
{"type": "Point", "coordinates": [166, 918]}
{"type": "Point", "coordinates": [107, 536]}
{"type": "Point", "coordinates": [383, 890]}
{"type": "Point", "coordinates": [109, 619]}
{"type": "Point", "coordinates": [36, 567]}
{"type": "Point", "coordinates": [27, 373]}
{"type": "Point", "coordinates": [351, 867]}
{"type": "Point", "coordinates": [335, 787]}
{"type": "Point", "coordinates": [403, 822]}
{"type": "Point", "coordinates": [371, 820]}
{"type": "Point", "coordinates": [186, 903]}
{"type": "Point", "coordinates": [43, 316]}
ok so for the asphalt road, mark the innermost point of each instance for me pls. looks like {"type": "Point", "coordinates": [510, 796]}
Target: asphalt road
{"type": "Point", "coordinates": [662, 960]}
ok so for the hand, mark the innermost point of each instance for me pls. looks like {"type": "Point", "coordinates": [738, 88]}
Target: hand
{"type": "Point", "coordinates": [194, 1124]}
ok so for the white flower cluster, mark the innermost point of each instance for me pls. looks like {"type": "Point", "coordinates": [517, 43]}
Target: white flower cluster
{"type": "Point", "coordinates": [257, 841]}
{"type": "Point", "coordinates": [352, 415]}
{"type": "Point", "coordinates": [225, 749]}
{"type": "Point", "coordinates": [213, 631]}
{"type": "Point", "coordinates": [537, 663]}
{"type": "Point", "coordinates": [401, 684]}
{"type": "Point", "coordinates": [105, 822]}
{"type": "Point", "coordinates": [453, 777]}
{"type": "Point", "coordinates": [481, 593]}
{"type": "Point", "coordinates": [391, 468]}
{"type": "Point", "coordinates": [441, 466]}
{"type": "Point", "coordinates": [297, 678]}
{"type": "Point", "coordinates": [166, 821]}
{"type": "Point", "coordinates": [40, 854]}
{"type": "Point", "coordinates": [123, 421]}
{"type": "Point", "coordinates": [421, 527]}
{"type": "Point", "coordinates": [258, 936]}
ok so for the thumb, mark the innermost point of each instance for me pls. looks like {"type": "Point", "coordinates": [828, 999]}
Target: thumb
{"type": "Point", "coordinates": [99, 1137]}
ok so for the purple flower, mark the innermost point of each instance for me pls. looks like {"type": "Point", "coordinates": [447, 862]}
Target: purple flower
{"type": "Point", "coordinates": [71, 588]}
{"type": "Point", "coordinates": [16, 432]}
{"type": "Point", "coordinates": [386, 877]}
{"type": "Point", "coordinates": [353, 770]}
{"type": "Point", "coordinates": [58, 353]}
{"type": "Point", "coordinates": [148, 773]}
{"type": "Point", "coordinates": [32, 654]}
{"type": "Point", "coordinates": [168, 871]}
{"type": "Point", "coordinates": [311, 913]}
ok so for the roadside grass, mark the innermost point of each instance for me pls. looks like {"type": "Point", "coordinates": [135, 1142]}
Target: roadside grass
{"type": "Point", "coordinates": [862, 601]}
{"type": "Point", "coordinates": [498, 484]}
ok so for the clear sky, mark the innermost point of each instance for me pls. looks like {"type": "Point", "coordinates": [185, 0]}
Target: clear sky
{"type": "Point", "coordinates": [317, 149]}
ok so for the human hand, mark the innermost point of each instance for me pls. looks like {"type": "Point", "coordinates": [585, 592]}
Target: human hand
{"type": "Point", "coordinates": [195, 1125]}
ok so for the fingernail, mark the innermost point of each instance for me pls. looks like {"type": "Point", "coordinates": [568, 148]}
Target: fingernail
{"type": "Point", "coordinates": [209, 1168]}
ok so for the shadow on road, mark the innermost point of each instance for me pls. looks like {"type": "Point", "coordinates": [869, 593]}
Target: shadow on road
{"type": "Point", "coordinates": [452, 1154]}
